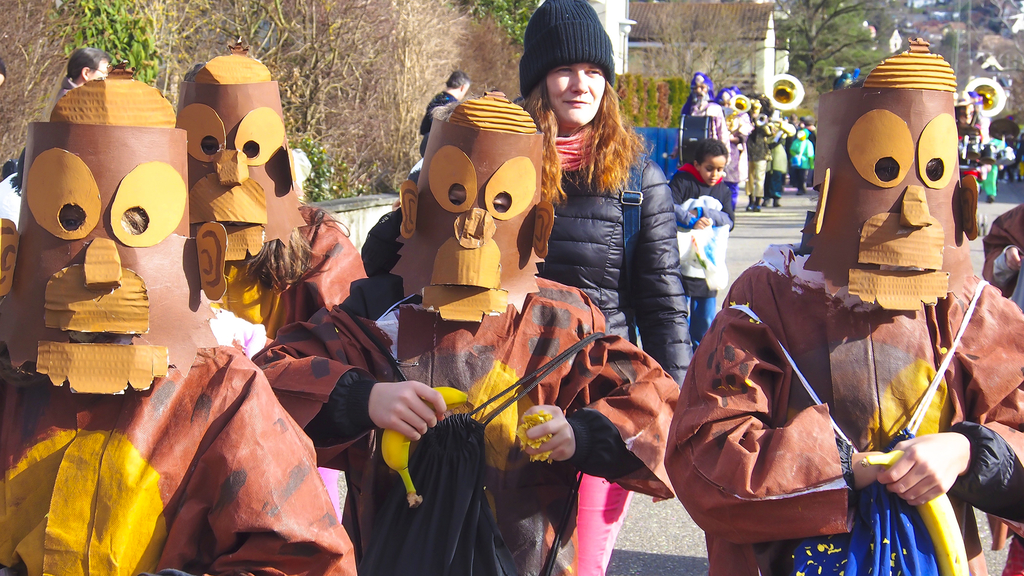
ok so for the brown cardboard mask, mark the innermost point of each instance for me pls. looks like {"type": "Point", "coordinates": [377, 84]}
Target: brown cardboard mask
{"type": "Point", "coordinates": [474, 225]}
{"type": "Point", "coordinates": [891, 214]}
{"type": "Point", "coordinates": [94, 300]}
{"type": "Point", "coordinates": [238, 165]}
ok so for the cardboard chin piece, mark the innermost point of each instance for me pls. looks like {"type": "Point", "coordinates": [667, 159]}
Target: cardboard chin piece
{"type": "Point", "coordinates": [465, 303]}
{"type": "Point", "coordinates": [899, 290]}
{"type": "Point", "coordinates": [96, 288]}
{"type": "Point", "coordinates": [250, 120]}
{"type": "Point", "coordinates": [101, 368]}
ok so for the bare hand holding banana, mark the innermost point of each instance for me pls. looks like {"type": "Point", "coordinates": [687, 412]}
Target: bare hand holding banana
{"type": "Point", "coordinates": [399, 402]}
{"type": "Point", "coordinates": [921, 475]}
{"type": "Point", "coordinates": [929, 466]}
{"type": "Point", "coordinates": [409, 408]}
{"type": "Point", "coordinates": [562, 444]}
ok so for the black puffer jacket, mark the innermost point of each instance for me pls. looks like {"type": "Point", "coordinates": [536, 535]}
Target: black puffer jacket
{"type": "Point", "coordinates": [586, 251]}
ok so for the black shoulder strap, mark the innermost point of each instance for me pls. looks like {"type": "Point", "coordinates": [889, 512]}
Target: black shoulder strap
{"type": "Point", "coordinates": [631, 199]}
{"type": "Point", "coordinates": [530, 381]}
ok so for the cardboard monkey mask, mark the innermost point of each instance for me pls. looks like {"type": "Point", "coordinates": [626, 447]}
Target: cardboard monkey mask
{"type": "Point", "coordinates": [101, 282]}
{"type": "Point", "coordinates": [240, 171]}
{"type": "Point", "coordinates": [892, 211]}
{"type": "Point", "coordinates": [474, 225]}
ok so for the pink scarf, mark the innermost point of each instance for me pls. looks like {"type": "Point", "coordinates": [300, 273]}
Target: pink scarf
{"type": "Point", "coordinates": [574, 151]}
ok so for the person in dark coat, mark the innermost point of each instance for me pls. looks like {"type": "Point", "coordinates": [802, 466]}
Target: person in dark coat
{"type": "Point", "coordinates": [704, 177]}
{"type": "Point", "coordinates": [566, 76]}
{"type": "Point", "coordinates": [455, 89]}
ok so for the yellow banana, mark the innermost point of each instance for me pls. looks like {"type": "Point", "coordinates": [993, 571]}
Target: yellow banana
{"type": "Point", "coordinates": [940, 520]}
{"type": "Point", "coordinates": [394, 446]}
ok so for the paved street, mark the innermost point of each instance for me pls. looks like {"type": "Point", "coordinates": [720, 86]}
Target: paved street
{"type": "Point", "coordinates": [660, 539]}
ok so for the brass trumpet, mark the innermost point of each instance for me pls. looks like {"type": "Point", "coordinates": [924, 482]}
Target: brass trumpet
{"type": "Point", "coordinates": [786, 92]}
{"type": "Point", "coordinates": [740, 104]}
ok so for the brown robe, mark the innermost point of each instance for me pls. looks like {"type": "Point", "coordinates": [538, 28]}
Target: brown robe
{"type": "Point", "coordinates": [334, 266]}
{"type": "Point", "coordinates": [756, 463]}
{"type": "Point", "coordinates": [204, 473]}
{"type": "Point", "coordinates": [1006, 230]}
{"type": "Point", "coordinates": [610, 375]}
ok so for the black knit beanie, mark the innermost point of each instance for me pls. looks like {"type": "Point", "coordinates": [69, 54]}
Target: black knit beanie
{"type": "Point", "coordinates": [563, 32]}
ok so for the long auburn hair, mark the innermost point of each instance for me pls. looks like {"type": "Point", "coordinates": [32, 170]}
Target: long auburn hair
{"type": "Point", "coordinates": [614, 147]}
{"type": "Point", "coordinates": [280, 267]}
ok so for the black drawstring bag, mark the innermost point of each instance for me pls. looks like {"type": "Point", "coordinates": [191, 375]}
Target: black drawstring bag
{"type": "Point", "coordinates": [453, 532]}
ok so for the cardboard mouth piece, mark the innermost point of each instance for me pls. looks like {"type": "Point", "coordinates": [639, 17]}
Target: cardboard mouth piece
{"type": "Point", "coordinates": [460, 266]}
{"type": "Point", "coordinates": [73, 306]}
{"type": "Point", "coordinates": [885, 241]}
{"type": "Point", "coordinates": [210, 201]}
{"type": "Point", "coordinates": [101, 368]}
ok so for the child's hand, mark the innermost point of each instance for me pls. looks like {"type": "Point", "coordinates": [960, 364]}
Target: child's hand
{"type": "Point", "coordinates": [703, 223]}
{"type": "Point", "coordinates": [929, 466]}
{"type": "Point", "coordinates": [562, 444]}
{"type": "Point", "coordinates": [400, 406]}
{"type": "Point", "coordinates": [863, 475]}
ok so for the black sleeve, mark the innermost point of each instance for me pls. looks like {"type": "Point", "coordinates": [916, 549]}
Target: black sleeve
{"type": "Point", "coordinates": [722, 193]}
{"type": "Point", "coordinates": [346, 414]}
{"type": "Point", "coordinates": [994, 482]}
{"type": "Point", "coordinates": [600, 450]}
{"type": "Point", "coordinates": [656, 285]}
{"type": "Point", "coordinates": [380, 249]}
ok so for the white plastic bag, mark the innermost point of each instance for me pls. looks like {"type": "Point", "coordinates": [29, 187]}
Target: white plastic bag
{"type": "Point", "coordinates": [702, 255]}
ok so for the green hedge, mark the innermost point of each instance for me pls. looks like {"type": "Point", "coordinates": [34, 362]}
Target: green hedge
{"type": "Point", "coordinates": [652, 102]}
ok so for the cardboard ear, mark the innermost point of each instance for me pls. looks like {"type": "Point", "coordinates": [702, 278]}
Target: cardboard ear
{"type": "Point", "coordinates": [819, 217]}
{"type": "Point", "coordinates": [968, 191]}
{"type": "Point", "coordinates": [212, 245]}
{"type": "Point", "coordinates": [544, 220]}
{"type": "Point", "coordinates": [8, 254]}
{"type": "Point", "coordinates": [410, 199]}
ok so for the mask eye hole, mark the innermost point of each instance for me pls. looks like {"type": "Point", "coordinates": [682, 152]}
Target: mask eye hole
{"type": "Point", "coordinates": [260, 135]}
{"type": "Point", "coordinates": [937, 153]}
{"type": "Point", "coordinates": [251, 149]}
{"type": "Point", "coordinates": [881, 148]}
{"type": "Point", "coordinates": [452, 179]}
{"type": "Point", "coordinates": [135, 220]}
{"type": "Point", "coordinates": [503, 202]}
{"type": "Point", "coordinates": [62, 194]}
{"type": "Point", "coordinates": [887, 169]}
{"type": "Point", "coordinates": [209, 145]}
{"type": "Point", "coordinates": [205, 131]}
{"type": "Point", "coordinates": [71, 217]}
{"type": "Point", "coordinates": [149, 205]}
{"type": "Point", "coordinates": [457, 194]}
{"type": "Point", "coordinates": [511, 189]}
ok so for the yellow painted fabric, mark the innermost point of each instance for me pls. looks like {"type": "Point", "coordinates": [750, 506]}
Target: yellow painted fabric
{"type": "Point", "coordinates": [500, 434]}
{"type": "Point", "coordinates": [248, 299]}
{"type": "Point", "coordinates": [82, 503]}
{"type": "Point", "coordinates": [899, 401]}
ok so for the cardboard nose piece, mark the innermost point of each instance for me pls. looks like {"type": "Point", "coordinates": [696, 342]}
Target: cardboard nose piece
{"type": "Point", "coordinates": [102, 264]}
{"type": "Point", "coordinates": [232, 169]}
{"type": "Point", "coordinates": [474, 228]}
{"type": "Point", "coordinates": [914, 210]}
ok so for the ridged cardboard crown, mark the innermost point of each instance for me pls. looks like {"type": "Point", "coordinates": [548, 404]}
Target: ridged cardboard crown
{"type": "Point", "coordinates": [493, 112]}
{"type": "Point", "coordinates": [916, 69]}
{"type": "Point", "coordinates": [116, 101]}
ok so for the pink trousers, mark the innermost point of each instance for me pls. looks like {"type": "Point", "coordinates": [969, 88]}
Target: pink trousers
{"type": "Point", "coordinates": [602, 510]}
{"type": "Point", "coordinates": [331, 478]}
